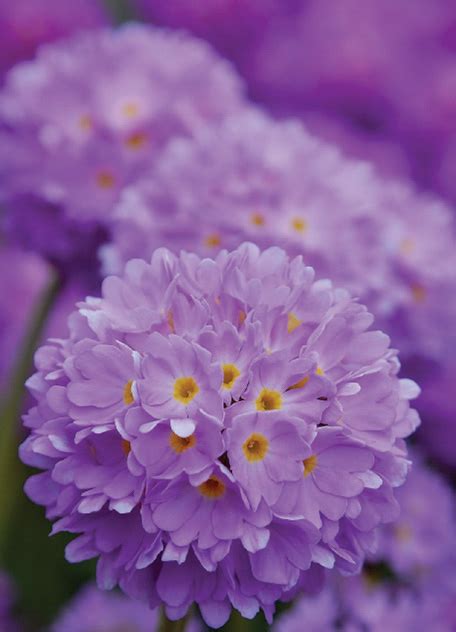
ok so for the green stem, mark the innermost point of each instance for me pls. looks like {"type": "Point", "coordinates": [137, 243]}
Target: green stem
{"type": "Point", "coordinates": [11, 474]}
{"type": "Point", "coordinates": [166, 625]}
{"type": "Point", "coordinates": [121, 11]}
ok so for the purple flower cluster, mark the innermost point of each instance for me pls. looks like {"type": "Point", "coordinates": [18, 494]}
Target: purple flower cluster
{"type": "Point", "coordinates": [273, 183]}
{"type": "Point", "coordinates": [89, 116]}
{"type": "Point", "coordinates": [377, 76]}
{"type": "Point", "coordinates": [217, 430]}
{"type": "Point", "coordinates": [418, 592]}
{"type": "Point", "coordinates": [362, 603]}
{"type": "Point", "coordinates": [93, 609]}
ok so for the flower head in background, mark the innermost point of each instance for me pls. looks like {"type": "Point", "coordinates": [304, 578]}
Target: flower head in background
{"type": "Point", "coordinates": [438, 405]}
{"type": "Point", "coordinates": [91, 114]}
{"type": "Point", "coordinates": [217, 429]}
{"type": "Point", "coordinates": [356, 604]}
{"type": "Point", "coordinates": [273, 183]}
{"type": "Point", "coordinates": [26, 25]}
{"type": "Point", "coordinates": [8, 623]}
{"type": "Point", "coordinates": [93, 609]}
{"type": "Point", "coordinates": [420, 544]}
{"type": "Point", "coordinates": [378, 76]}
{"type": "Point", "coordinates": [19, 291]}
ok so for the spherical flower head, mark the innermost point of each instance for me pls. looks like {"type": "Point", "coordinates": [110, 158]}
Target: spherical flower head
{"type": "Point", "coordinates": [25, 25]}
{"type": "Point", "coordinates": [273, 183]}
{"type": "Point", "coordinates": [71, 139]}
{"type": "Point", "coordinates": [217, 429]}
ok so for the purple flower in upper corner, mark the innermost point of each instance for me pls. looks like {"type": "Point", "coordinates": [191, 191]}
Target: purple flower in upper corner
{"type": "Point", "coordinates": [273, 183]}
{"type": "Point", "coordinates": [376, 78]}
{"type": "Point", "coordinates": [26, 25]}
{"type": "Point", "coordinates": [217, 430]}
{"type": "Point", "coordinates": [71, 140]}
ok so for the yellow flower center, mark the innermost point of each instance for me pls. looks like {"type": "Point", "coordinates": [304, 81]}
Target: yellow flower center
{"type": "Point", "coordinates": [407, 246]}
{"type": "Point", "coordinates": [293, 322]}
{"type": "Point", "coordinates": [185, 389]}
{"type": "Point", "coordinates": [257, 219]}
{"type": "Point", "coordinates": [305, 379]}
{"type": "Point", "coordinates": [130, 110]}
{"type": "Point", "coordinates": [126, 447]}
{"type": "Point", "coordinates": [418, 293]}
{"type": "Point", "coordinates": [299, 224]}
{"type": "Point", "coordinates": [85, 123]}
{"type": "Point", "coordinates": [403, 532]}
{"type": "Point", "coordinates": [128, 396]}
{"type": "Point", "coordinates": [269, 400]}
{"type": "Point", "coordinates": [213, 240]}
{"type": "Point", "coordinates": [181, 444]}
{"type": "Point", "coordinates": [255, 447]}
{"type": "Point", "coordinates": [230, 375]}
{"type": "Point", "coordinates": [242, 317]}
{"type": "Point", "coordinates": [299, 384]}
{"type": "Point", "coordinates": [137, 140]}
{"type": "Point", "coordinates": [170, 321]}
{"type": "Point", "coordinates": [213, 488]}
{"type": "Point", "coordinates": [310, 464]}
{"type": "Point", "coordinates": [105, 179]}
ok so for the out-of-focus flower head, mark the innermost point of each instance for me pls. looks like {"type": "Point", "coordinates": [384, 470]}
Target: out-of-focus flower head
{"type": "Point", "coordinates": [356, 604]}
{"type": "Point", "coordinates": [93, 609]}
{"type": "Point", "coordinates": [437, 404]}
{"type": "Point", "coordinates": [91, 114]}
{"type": "Point", "coordinates": [24, 25]}
{"type": "Point", "coordinates": [273, 183]}
{"type": "Point", "coordinates": [384, 70]}
{"type": "Point", "coordinates": [215, 430]}
{"type": "Point", "coordinates": [418, 545]}
{"type": "Point", "coordinates": [23, 276]}
{"type": "Point", "coordinates": [7, 598]}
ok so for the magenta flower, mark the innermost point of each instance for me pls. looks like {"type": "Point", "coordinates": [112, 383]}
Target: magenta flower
{"type": "Point", "coordinates": [71, 141]}
{"type": "Point", "coordinates": [204, 437]}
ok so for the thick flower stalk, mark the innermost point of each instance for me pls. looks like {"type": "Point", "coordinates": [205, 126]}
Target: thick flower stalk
{"type": "Point", "coordinates": [87, 117]}
{"type": "Point", "coordinates": [275, 184]}
{"type": "Point", "coordinates": [218, 430]}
